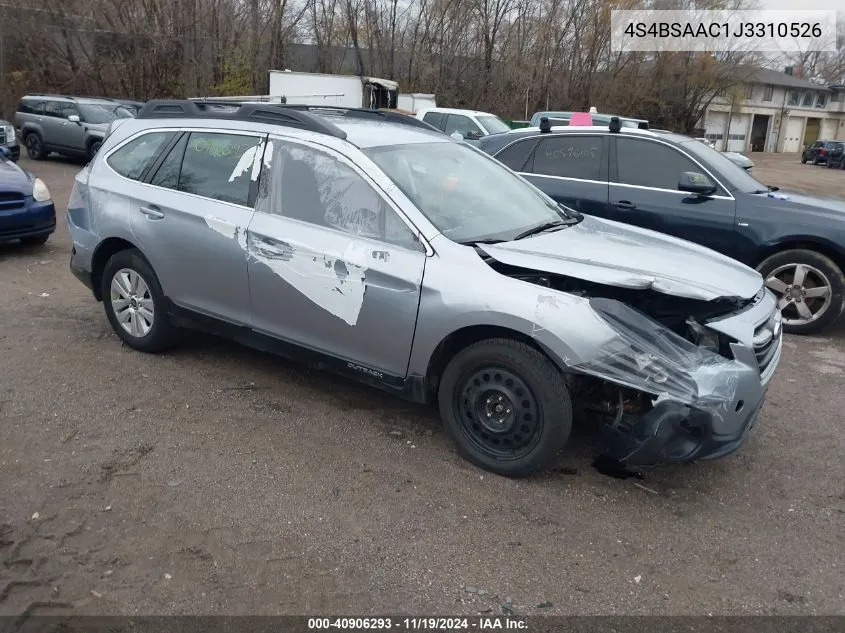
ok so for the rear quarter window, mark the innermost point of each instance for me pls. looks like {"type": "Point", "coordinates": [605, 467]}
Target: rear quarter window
{"type": "Point", "coordinates": [517, 154]}
{"type": "Point", "coordinates": [570, 156]}
{"type": "Point", "coordinates": [131, 160]}
{"type": "Point", "coordinates": [30, 106]}
{"type": "Point", "coordinates": [436, 119]}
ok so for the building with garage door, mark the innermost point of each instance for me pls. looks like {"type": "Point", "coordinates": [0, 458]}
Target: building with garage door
{"type": "Point", "coordinates": [775, 111]}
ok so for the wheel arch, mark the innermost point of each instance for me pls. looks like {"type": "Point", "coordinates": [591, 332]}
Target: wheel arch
{"type": "Point", "coordinates": [810, 243]}
{"type": "Point", "coordinates": [462, 338]}
{"type": "Point", "coordinates": [106, 249]}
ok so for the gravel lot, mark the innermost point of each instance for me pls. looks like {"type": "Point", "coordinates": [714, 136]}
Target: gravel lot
{"type": "Point", "coordinates": [215, 480]}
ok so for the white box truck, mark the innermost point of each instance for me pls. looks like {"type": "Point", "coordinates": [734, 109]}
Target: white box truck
{"type": "Point", "coordinates": [347, 91]}
{"type": "Point", "coordinates": [416, 101]}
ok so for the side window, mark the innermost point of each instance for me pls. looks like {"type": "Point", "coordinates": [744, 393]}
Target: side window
{"type": "Point", "coordinates": [515, 156]}
{"type": "Point", "coordinates": [60, 109]}
{"type": "Point", "coordinates": [462, 124]}
{"type": "Point", "coordinates": [132, 159]}
{"type": "Point", "coordinates": [435, 118]}
{"type": "Point", "coordinates": [28, 106]}
{"type": "Point", "coordinates": [570, 156]}
{"type": "Point", "coordinates": [167, 174]}
{"type": "Point", "coordinates": [311, 186]}
{"type": "Point", "coordinates": [218, 166]}
{"type": "Point", "coordinates": [650, 164]}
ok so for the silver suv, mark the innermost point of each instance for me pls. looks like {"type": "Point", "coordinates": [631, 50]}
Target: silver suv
{"type": "Point", "coordinates": [363, 244]}
{"type": "Point", "coordinates": [72, 126]}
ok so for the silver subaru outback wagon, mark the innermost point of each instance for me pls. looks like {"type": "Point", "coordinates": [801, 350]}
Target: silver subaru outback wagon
{"type": "Point", "coordinates": [362, 243]}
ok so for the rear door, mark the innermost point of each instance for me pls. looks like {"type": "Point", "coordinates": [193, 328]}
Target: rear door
{"type": "Point", "coordinates": [192, 217]}
{"type": "Point", "coordinates": [572, 169]}
{"type": "Point", "coordinates": [63, 134]}
{"type": "Point", "coordinates": [644, 192]}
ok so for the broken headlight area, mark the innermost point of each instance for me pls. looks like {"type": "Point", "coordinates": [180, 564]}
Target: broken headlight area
{"type": "Point", "coordinates": [658, 396]}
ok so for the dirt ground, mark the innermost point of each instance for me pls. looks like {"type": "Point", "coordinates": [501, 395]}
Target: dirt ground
{"type": "Point", "coordinates": [216, 480]}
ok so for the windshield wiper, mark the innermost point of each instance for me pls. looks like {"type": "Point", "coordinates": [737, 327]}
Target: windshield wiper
{"type": "Point", "coordinates": [547, 226]}
{"type": "Point", "coordinates": [474, 242]}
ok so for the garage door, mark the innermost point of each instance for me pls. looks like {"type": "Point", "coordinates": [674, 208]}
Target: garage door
{"type": "Point", "coordinates": [738, 139]}
{"type": "Point", "coordinates": [715, 124]}
{"type": "Point", "coordinates": [793, 136]}
{"type": "Point", "coordinates": [830, 128]}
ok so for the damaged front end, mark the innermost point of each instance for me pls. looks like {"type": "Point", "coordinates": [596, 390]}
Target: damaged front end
{"type": "Point", "coordinates": [683, 379]}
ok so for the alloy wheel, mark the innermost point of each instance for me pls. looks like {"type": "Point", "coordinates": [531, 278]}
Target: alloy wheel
{"type": "Point", "coordinates": [132, 302]}
{"type": "Point", "coordinates": [804, 292]}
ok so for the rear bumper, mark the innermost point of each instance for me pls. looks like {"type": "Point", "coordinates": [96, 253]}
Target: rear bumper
{"type": "Point", "coordinates": [33, 220]}
{"type": "Point", "coordinates": [80, 272]}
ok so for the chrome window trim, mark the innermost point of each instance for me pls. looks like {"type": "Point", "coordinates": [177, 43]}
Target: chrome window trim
{"type": "Point", "coordinates": [718, 182]}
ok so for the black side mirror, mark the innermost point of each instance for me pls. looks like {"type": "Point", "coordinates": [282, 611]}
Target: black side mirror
{"type": "Point", "coordinates": [474, 135]}
{"type": "Point", "coordinates": [696, 183]}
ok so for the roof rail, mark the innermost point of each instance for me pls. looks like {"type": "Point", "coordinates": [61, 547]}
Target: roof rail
{"type": "Point", "coordinates": [48, 94]}
{"type": "Point", "coordinates": [362, 113]}
{"type": "Point", "coordinates": [270, 114]}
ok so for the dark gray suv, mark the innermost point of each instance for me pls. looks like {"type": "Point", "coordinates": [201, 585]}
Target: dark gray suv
{"type": "Point", "coordinates": [72, 126]}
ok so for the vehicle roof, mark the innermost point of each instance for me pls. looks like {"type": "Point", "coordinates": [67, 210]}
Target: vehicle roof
{"type": "Point", "coordinates": [70, 99]}
{"type": "Point", "coordinates": [565, 113]}
{"type": "Point", "coordinates": [457, 111]}
{"type": "Point", "coordinates": [362, 133]}
{"type": "Point", "coordinates": [563, 130]}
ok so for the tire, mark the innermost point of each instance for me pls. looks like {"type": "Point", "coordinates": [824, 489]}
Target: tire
{"type": "Point", "coordinates": [146, 297]}
{"type": "Point", "coordinates": [93, 148]}
{"type": "Point", "coordinates": [803, 159]}
{"type": "Point", "coordinates": [34, 146]}
{"type": "Point", "coordinates": [779, 271]}
{"type": "Point", "coordinates": [515, 382]}
{"type": "Point", "coordinates": [35, 240]}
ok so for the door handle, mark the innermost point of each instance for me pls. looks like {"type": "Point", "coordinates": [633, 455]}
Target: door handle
{"type": "Point", "coordinates": [273, 248]}
{"type": "Point", "coordinates": [625, 205]}
{"type": "Point", "coordinates": [152, 212]}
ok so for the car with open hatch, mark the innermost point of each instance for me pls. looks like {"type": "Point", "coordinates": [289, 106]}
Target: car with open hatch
{"type": "Point", "coordinates": [27, 212]}
{"type": "Point", "coordinates": [360, 243]}
{"type": "Point", "coordinates": [679, 186]}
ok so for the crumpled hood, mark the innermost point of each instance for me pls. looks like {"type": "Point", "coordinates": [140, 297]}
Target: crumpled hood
{"type": "Point", "coordinates": [606, 252]}
{"type": "Point", "coordinates": [13, 178]}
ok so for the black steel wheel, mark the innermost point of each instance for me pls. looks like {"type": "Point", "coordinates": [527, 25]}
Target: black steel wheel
{"type": "Point", "coordinates": [506, 406]}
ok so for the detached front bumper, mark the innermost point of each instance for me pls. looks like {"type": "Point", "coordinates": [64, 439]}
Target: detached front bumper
{"type": "Point", "coordinates": [704, 404]}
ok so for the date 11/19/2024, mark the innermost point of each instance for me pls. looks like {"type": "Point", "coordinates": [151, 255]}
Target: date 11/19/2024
{"type": "Point", "coordinates": [406, 624]}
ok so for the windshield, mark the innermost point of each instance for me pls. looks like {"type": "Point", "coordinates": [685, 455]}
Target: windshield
{"type": "Point", "coordinates": [465, 194]}
{"type": "Point", "coordinates": [737, 178]}
{"type": "Point", "coordinates": [493, 124]}
{"type": "Point", "coordinates": [101, 113]}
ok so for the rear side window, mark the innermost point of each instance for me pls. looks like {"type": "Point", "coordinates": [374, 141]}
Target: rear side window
{"type": "Point", "coordinates": [650, 164]}
{"type": "Point", "coordinates": [515, 156]}
{"type": "Point", "coordinates": [216, 166]}
{"type": "Point", "coordinates": [131, 160]}
{"type": "Point", "coordinates": [570, 157]}
{"type": "Point", "coordinates": [30, 106]}
{"type": "Point", "coordinates": [435, 118]}
{"type": "Point", "coordinates": [60, 109]}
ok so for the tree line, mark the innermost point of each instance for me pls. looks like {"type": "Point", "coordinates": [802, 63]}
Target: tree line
{"type": "Point", "coordinates": [510, 57]}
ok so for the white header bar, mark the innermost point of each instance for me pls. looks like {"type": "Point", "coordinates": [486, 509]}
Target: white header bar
{"type": "Point", "coordinates": [723, 31]}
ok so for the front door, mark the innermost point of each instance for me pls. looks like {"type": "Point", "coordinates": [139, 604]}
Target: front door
{"type": "Point", "coordinates": [644, 192]}
{"type": "Point", "coordinates": [192, 217]}
{"type": "Point", "coordinates": [332, 266]}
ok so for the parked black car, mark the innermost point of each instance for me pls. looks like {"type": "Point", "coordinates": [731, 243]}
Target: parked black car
{"type": "Point", "coordinates": [818, 152]}
{"type": "Point", "coordinates": [836, 156]}
{"type": "Point", "coordinates": [677, 185]}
